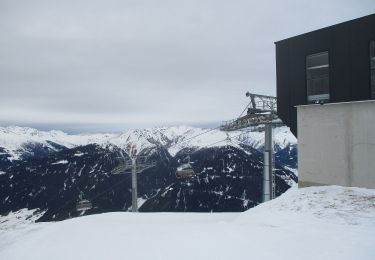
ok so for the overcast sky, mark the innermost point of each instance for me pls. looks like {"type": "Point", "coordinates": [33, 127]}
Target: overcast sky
{"type": "Point", "coordinates": [86, 65]}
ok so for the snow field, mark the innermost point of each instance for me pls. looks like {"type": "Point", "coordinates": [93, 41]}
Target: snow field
{"type": "Point", "coordinates": [312, 223]}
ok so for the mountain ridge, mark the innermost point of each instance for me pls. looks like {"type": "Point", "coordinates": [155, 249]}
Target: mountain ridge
{"type": "Point", "coordinates": [54, 177]}
{"type": "Point", "coordinates": [14, 139]}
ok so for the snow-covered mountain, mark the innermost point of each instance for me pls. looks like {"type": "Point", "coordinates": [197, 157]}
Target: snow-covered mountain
{"type": "Point", "coordinates": [19, 142]}
{"type": "Point", "coordinates": [52, 171]}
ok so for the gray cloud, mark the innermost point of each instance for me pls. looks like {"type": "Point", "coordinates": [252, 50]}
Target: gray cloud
{"type": "Point", "coordinates": [140, 63]}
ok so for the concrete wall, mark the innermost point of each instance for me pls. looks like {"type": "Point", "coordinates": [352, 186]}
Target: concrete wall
{"type": "Point", "coordinates": [336, 144]}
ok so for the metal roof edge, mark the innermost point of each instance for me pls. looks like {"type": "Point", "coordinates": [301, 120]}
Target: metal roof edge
{"type": "Point", "coordinates": [325, 28]}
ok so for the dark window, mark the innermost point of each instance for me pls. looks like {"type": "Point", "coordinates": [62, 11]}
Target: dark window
{"type": "Point", "coordinates": [317, 77]}
{"type": "Point", "coordinates": [372, 68]}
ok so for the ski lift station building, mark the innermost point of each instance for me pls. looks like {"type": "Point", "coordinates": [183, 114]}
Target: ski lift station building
{"type": "Point", "coordinates": [326, 95]}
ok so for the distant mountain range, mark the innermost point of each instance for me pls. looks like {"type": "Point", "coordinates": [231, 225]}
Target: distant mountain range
{"type": "Point", "coordinates": [53, 170]}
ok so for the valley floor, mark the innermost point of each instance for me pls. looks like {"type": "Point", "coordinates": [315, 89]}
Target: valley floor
{"type": "Point", "coordinates": [311, 223]}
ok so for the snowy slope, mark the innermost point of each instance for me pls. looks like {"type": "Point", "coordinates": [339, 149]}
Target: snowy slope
{"type": "Point", "coordinates": [313, 223]}
{"type": "Point", "coordinates": [333, 204]}
{"type": "Point", "coordinates": [14, 139]}
{"type": "Point", "coordinates": [177, 138]}
{"type": "Point", "coordinates": [19, 219]}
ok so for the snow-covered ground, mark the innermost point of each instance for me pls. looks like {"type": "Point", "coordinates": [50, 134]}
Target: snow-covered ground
{"type": "Point", "coordinates": [312, 223]}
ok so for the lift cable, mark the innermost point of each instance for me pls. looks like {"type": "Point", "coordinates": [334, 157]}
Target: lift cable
{"type": "Point", "coordinates": [96, 196]}
{"type": "Point", "coordinates": [122, 181]}
{"type": "Point", "coordinates": [209, 130]}
{"type": "Point", "coordinates": [205, 132]}
{"type": "Point", "coordinates": [118, 183]}
{"type": "Point", "coordinates": [195, 136]}
{"type": "Point", "coordinates": [207, 146]}
{"type": "Point", "coordinates": [173, 145]}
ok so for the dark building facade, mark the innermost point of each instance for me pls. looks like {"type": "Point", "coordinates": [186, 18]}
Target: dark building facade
{"type": "Point", "coordinates": [333, 64]}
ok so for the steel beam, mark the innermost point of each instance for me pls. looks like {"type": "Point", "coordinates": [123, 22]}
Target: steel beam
{"type": "Point", "coordinates": [268, 164]}
{"type": "Point", "coordinates": [134, 186]}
